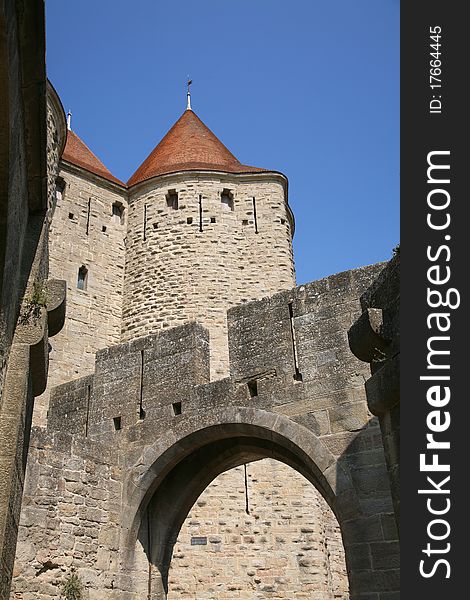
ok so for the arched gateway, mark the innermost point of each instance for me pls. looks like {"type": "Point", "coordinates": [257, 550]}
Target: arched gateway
{"type": "Point", "coordinates": [139, 440]}
{"type": "Point", "coordinates": [171, 475]}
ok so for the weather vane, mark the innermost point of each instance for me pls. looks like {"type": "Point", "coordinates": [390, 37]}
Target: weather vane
{"type": "Point", "coordinates": [188, 95]}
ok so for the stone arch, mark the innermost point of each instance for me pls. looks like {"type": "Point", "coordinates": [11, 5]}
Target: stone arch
{"type": "Point", "coordinates": [170, 475]}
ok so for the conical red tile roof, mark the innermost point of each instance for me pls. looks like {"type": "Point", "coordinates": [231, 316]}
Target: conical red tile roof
{"type": "Point", "coordinates": [78, 153]}
{"type": "Point", "coordinates": [189, 145]}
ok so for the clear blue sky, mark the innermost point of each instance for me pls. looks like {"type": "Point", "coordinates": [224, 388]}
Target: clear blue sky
{"type": "Point", "coordinates": [306, 87]}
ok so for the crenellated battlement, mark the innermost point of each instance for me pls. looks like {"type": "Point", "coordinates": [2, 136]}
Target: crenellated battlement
{"type": "Point", "coordinates": [288, 346]}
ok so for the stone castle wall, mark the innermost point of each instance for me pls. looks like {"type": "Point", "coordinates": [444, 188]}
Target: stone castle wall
{"type": "Point", "coordinates": [176, 273]}
{"type": "Point", "coordinates": [85, 233]}
{"type": "Point", "coordinates": [288, 546]}
{"type": "Point", "coordinates": [103, 469]}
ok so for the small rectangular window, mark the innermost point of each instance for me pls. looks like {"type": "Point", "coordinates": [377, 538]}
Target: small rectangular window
{"type": "Point", "coordinates": [118, 213]}
{"type": "Point", "coordinates": [117, 423]}
{"type": "Point", "coordinates": [226, 197]}
{"type": "Point", "coordinates": [253, 388]}
{"type": "Point", "coordinates": [172, 199]}
{"type": "Point", "coordinates": [177, 408]}
{"type": "Point", "coordinates": [82, 279]}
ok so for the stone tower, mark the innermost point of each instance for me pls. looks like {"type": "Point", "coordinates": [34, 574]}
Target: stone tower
{"type": "Point", "coordinates": [205, 233]}
{"type": "Point", "coordinates": [193, 233]}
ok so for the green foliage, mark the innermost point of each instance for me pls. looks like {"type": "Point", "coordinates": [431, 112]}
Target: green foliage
{"type": "Point", "coordinates": [72, 587]}
{"type": "Point", "coordinates": [34, 303]}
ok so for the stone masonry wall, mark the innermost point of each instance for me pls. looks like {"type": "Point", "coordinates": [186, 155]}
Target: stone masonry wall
{"type": "Point", "coordinates": [70, 516]}
{"type": "Point", "coordinates": [94, 239]}
{"type": "Point", "coordinates": [176, 273]}
{"type": "Point", "coordinates": [104, 469]}
{"type": "Point", "coordinates": [288, 546]}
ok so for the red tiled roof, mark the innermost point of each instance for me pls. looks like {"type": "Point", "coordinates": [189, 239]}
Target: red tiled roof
{"type": "Point", "coordinates": [77, 153]}
{"type": "Point", "coordinates": [189, 145]}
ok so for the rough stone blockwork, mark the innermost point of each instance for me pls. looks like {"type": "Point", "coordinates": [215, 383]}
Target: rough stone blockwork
{"type": "Point", "coordinates": [84, 234]}
{"type": "Point", "coordinates": [288, 545]}
{"type": "Point", "coordinates": [144, 437]}
{"type": "Point", "coordinates": [375, 338]}
{"type": "Point", "coordinates": [195, 258]}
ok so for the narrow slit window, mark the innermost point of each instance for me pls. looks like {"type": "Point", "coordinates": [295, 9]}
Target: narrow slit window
{"type": "Point", "coordinates": [254, 215]}
{"type": "Point", "coordinates": [177, 408]}
{"type": "Point", "coordinates": [200, 212]}
{"type": "Point", "coordinates": [88, 215]}
{"type": "Point", "coordinates": [82, 278]}
{"type": "Point", "coordinates": [142, 412]}
{"type": "Point", "coordinates": [226, 197]}
{"type": "Point", "coordinates": [118, 213]}
{"type": "Point", "coordinates": [297, 373]}
{"type": "Point", "coordinates": [117, 423]}
{"type": "Point", "coordinates": [88, 396]}
{"type": "Point", "coordinates": [253, 388]}
{"type": "Point", "coordinates": [172, 199]}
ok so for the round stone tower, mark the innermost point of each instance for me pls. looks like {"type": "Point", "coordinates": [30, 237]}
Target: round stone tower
{"type": "Point", "coordinates": [205, 233]}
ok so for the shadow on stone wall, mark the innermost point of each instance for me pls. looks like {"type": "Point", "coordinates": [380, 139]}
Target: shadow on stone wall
{"type": "Point", "coordinates": [371, 540]}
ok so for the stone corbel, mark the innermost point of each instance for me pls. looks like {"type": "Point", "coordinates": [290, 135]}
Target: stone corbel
{"type": "Point", "coordinates": [366, 338]}
{"type": "Point", "coordinates": [368, 343]}
{"type": "Point", "coordinates": [35, 332]}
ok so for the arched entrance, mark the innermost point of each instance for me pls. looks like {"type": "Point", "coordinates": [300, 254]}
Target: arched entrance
{"type": "Point", "coordinates": [171, 475]}
{"type": "Point", "coordinates": [259, 530]}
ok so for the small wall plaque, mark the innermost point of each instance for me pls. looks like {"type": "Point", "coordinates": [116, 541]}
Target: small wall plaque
{"type": "Point", "coordinates": [198, 541]}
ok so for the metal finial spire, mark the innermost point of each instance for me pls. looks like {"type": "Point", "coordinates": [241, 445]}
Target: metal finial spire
{"type": "Point", "coordinates": [188, 95]}
{"type": "Point", "coordinates": [69, 120]}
